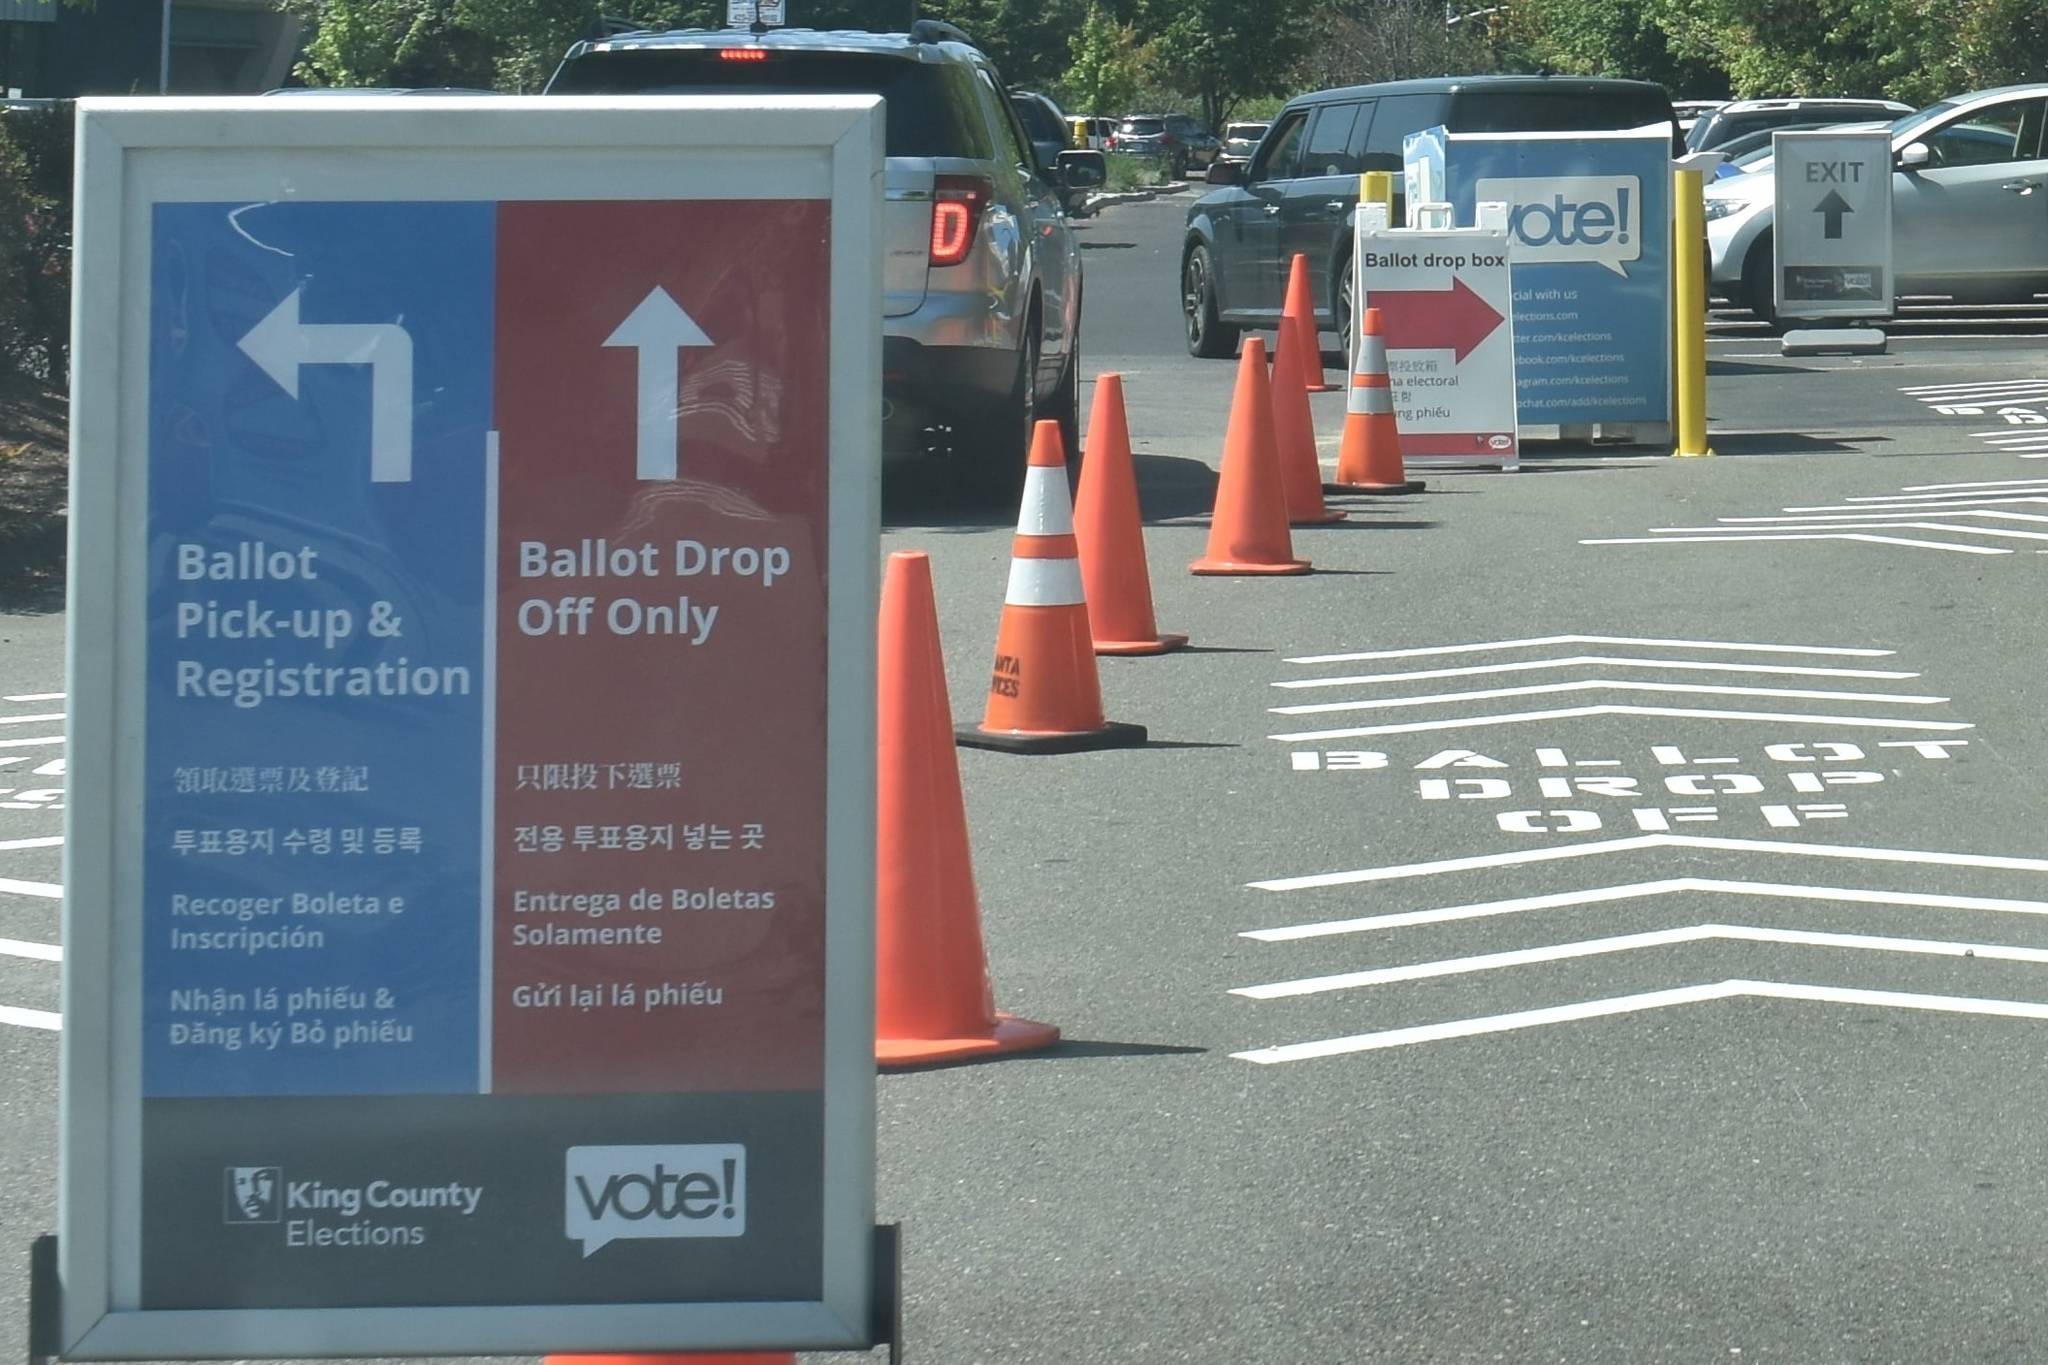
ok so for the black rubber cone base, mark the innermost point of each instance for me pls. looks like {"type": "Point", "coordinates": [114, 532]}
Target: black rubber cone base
{"type": "Point", "coordinates": [1113, 735]}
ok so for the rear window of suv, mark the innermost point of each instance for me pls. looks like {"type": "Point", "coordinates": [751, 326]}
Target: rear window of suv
{"type": "Point", "coordinates": [932, 108]}
{"type": "Point", "coordinates": [1554, 111]}
{"type": "Point", "coordinates": [1143, 127]}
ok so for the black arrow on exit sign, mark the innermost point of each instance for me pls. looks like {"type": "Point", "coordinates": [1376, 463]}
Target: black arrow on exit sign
{"type": "Point", "coordinates": [1832, 208]}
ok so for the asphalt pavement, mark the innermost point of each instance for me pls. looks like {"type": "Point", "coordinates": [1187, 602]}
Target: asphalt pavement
{"type": "Point", "coordinates": [1595, 917]}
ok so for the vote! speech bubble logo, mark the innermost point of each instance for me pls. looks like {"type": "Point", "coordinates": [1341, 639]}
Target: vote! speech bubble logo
{"type": "Point", "coordinates": [1596, 218]}
{"type": "Point", "coordinates": [616, 1194]}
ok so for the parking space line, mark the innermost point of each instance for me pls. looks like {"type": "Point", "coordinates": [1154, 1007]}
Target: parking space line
{"type": "Point", "coordinates": [45, 890]}
{"type": "Point", "coordinates": [1995, 862]}
{"type": "Point", "coordinates": [1981, 483]}
{"type": "Point", "coordinates": [1623, 709]}
{"type": "Point", "coordinates": [1832, 535]}
{"type": "Point", "coordinates": [1872, 523]}
{"type": "Point", "coordinates": [35, 696]}
{"type": "Point", "coordinates": [1648, 1000]}
{"type": "Point", "coordinates": [21, 1018]}
{"type": "Point", "coordinates": [1629, 943]}
{"type": "Point", "coordinates": [32, 720]}
{"type": "Point", "coordinates": [2007, 500]}
{"type": "Point", "coordinates": [44, 841]}
{"type": "Point", "coordinates": [40, 952]}
{"type": "Point", "coordinates": [1599, 660]}
{"type": "Point", "coordinates": [1669, 886]}
{"type": "Point", "coordinates": [1606, 685]}
{"type": "Point", "coordinates": [1547, 640]}
{"type": "Point", "coordinates": [1933, 497]}
{"type": "Point", "coordinates": [25, 743]}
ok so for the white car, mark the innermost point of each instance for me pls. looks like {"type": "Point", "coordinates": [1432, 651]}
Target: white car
{"type": "Point", "coordinates": [1969, 205]}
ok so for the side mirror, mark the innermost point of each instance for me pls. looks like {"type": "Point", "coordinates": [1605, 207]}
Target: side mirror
{"type": "Point", "coordinates": [1082, 170]}
{"type": "Point", "coordinates": [1226, 172]}
{"type": "Point", "coordinates": [1914, 156]}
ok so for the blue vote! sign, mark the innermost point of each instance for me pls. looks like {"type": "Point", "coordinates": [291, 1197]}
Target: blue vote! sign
{"type": "Point", "coordinates": [1588, 218]}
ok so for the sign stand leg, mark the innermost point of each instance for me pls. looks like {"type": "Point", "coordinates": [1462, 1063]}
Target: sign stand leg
{"type": "Point", "coordinates": [886, 1307]}
{"type": "Point", "coordinates": [43, 1299]}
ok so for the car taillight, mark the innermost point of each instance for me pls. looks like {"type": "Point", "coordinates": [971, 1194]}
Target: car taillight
{"type": "Point", "coordinates": [957, 204]}
{"type": "Point", "coordinates": [743, 54]}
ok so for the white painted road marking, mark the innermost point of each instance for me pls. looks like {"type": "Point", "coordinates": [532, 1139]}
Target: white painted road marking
{"type": "Point", "coordinates": [1601, 895]}
{"type": "Point", "coordinates": [24, 743]}
{"type": "Point", "coordinates": [1648, 1000]}
{"type": "Point", "coordinates": [35, 696]}
{"type": "Point", "coordinates": [41, 952]}
{"type": "Point", "coordinates": [1877, 516]}
{"type": "Point", "coordinates": [1606, 685]}
{"type": "Point", "coordinates": [1601, 660]}
{"type": "Point", "coordinates": [1546, 640]}
{"type": "Point", "coordinates": [1981, 483]}
{"type": "Point", "coordinates": [1618, 709]}
{"type": "Point", "coordinates": [32, 720]}
{"type": "Point", "coordinates": [47, 890]}
{"type": "Point", "coordinates": [1790, 535]}
{"type": "Point", "coordinates": [1996, 862]}
{"type": "Point", "coordinates": [21, 1018]}
{"type": "Point", "coordinates": [1869, 523]}
{"type": "Point", "coordinates": [46, 841]}
{"type": "Point", "coordinates": [1629, 943]}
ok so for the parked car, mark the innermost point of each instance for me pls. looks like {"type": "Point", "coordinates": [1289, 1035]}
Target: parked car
{"type": "Point", "coordinates": [981, 274]}
{"type": "Point", "coordinates": [1298, 192]}
{"type": "Point", "coordinates": [1969, 205]}
{"type": "Point", "coordinates": [1751, 116]}
{"type": "Point", "coordinates": [1240, 140]}
{"type": "Point", "coordinates": [1739, 152]}
{"type": "Point", "coordinates": [1177, 139]}
{"type": "Point", "coordinates": [1692, 111]}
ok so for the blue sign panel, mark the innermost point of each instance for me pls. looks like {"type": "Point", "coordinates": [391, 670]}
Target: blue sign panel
{"type": "Point", "coordinates": [1589, 218]}
{"type": "Point", "coordinates": [320, 398]}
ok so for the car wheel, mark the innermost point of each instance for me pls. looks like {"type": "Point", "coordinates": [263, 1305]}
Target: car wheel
{"type": "Point", "coordinates": [993, 467]}
{"type": "Point", "coordinates": [1208, 337]}
{"type": "Point", "coordinates": [1346, 327]}
{"type": "Point", "coordinates": [1066, 403]}
{"type": "Point", "coordinates": [1756, 282]}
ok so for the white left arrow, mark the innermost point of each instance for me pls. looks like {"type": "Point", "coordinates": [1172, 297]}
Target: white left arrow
{"type": "Point", "coordinates": [658, 329]}
{"type": "Point", "coordinates": [280, 344]}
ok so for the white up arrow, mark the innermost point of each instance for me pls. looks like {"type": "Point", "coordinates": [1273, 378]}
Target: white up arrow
{"type": "Point", "coordinates": [658, 329]}
{"type": "Point", "coordinates": [280, 344]}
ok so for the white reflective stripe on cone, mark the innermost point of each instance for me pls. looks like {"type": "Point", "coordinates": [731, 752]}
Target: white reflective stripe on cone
{"type": "Point", "coordinates": [1370, 399]}
{"type": "Point", "coordinates": [1372, 356]}
{"type": "Point", "coordinates": [1046, 510]}
{"type": "Point", "coordinates": [1044, 582]}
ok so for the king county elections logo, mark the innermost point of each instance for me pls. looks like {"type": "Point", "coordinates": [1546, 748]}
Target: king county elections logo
{"type": "Point", "coordinates": [252, 1194]}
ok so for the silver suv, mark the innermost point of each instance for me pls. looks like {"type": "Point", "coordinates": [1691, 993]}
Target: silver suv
{"type": "Point", "coordinates": [981, 274]}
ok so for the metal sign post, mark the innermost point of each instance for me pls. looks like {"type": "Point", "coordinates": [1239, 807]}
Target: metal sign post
{"type": "Point", "coordinates": [1446, 301]}
{"type": "Point", "coordinates": [1833, 230]}
{"type": "Point", "coordinates": [469, 891]}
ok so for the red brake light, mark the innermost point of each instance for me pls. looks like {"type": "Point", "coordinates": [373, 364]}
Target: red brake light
{"type": "Point", "coordinates": [957, 204]}
{"type": "Point", "coordinates": [743, 54]}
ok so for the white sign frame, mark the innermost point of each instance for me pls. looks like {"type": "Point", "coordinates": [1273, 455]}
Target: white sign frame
{"type": "Point", "coordinates": [133, 153]}
{"type": "Point", "coordinates": [1797, 242]}
{"type": "Point", "coordinates": [1370, 225]}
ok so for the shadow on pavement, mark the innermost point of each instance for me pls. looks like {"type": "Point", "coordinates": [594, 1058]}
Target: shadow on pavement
{"type": "Point", "coordinates": [1788, 443]}
{"type": "Point", "coordinates": [930, 495]}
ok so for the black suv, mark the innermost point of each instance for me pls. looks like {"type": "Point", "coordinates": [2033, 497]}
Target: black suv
{"type": "Point", "coordinates": [1299, 190]}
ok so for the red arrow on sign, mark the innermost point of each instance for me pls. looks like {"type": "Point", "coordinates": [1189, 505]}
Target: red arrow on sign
{"type": "Point", "coordinates": [1454, 319]}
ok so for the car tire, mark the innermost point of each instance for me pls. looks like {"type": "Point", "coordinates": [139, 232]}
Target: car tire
{"type": "Point", "coordinates": [1341, 309]}
{"type": "Point", "coordinates": [1065, 407]}
{"type": "Point", "coordinates": [1757, 295]}
{"type": "Point", "coordinates": [1209, 338]}
{"type": "Point", "coordinates": [993, 465]}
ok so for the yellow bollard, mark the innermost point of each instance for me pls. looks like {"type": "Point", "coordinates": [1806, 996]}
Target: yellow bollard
{"type": "Point", "coordinates": [1377, 187]}
{"type": "Point", "coordinates": [1689, 309]}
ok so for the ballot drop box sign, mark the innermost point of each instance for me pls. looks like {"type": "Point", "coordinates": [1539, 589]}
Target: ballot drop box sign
{"type": "Point", "coordinates": [1590, 218]}
{"type": "Point", "coordinates": [469, 902]}
{"type": "Point", "coordinates": [1444, 298]}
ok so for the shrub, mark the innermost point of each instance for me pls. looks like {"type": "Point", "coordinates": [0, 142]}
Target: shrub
{"type": "Point", "coordinates": [35, 242]}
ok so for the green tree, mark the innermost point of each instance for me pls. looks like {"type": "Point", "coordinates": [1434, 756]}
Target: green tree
{"type": "Point", "coordinates": [1361, 41]}
{"type": "Point", "coordinates": [1222, 52]}
{"type": "Point", "coordinates": [1612, 38]}
{"type": "Point", "coordinates": [1107, 68]}
{"type": "Point", "coordinates": [1028, 40]}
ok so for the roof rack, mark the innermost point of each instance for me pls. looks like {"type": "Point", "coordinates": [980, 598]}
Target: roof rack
{"type": "Point", "coordinates": [937, 31]}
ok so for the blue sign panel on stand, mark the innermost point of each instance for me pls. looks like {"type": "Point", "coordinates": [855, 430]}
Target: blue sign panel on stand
{"type": "Point", "coordinates": [1589, 219]}
{"type": "Point", "coordinates": [315, 673]}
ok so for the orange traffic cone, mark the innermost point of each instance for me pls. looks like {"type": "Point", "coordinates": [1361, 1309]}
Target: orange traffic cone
{"type": "Point", "coordinates": [1294, 434]}
{"type": "Point", "coordinates": [721, 1358]}
{"type": "Point", "coordinates": [933, 1001]}
{"type": "Point", "coordinates": [1110, 537]}
{"type": "Point", "coordinates": [1044, 696]}
{"type": "Point", "coordinates": [1248, 532]}
{"type": "Point", "coordinates": [1369, 460]}
{"type": "Point", "coordinates": [1299, 313]}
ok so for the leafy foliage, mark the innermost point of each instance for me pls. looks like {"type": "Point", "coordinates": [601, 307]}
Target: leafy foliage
{"type": "Point", "coordinates": [1221, 52]}
{"type": "Point", "coordinates": [1108, 66]}
{"type": "Point", "coordinates": [35, 242]}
